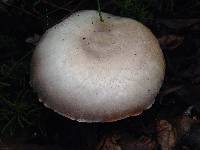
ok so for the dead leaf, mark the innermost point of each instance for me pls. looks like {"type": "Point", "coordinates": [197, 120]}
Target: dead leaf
{"type": "Point", "coordinates": [170, 41]}
{"type": "Point", "coordinates": [179, 24]}
{"type": "Point", "coordinates": [33, 39]}
{"type": "Point", "coordinates": [166, 135]}
{"type": "Point", "coordinates": [109, 143]}
{"type": "Point", "coordinates": [185, 122]}
{"type": "Point", "coordinates": [143, 143]}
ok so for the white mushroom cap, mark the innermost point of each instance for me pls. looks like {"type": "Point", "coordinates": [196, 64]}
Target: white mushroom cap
{"type": "Point", "coordinates": [93, 71]}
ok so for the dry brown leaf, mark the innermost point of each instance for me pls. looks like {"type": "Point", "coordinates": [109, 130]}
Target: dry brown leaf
{"type": "Point", "coordinates": [170, 41]}
{"type": "Point", "coordinates": [179, 24]}
{"type": "Point", "coordinates": [109, 143]}
{"type": "Point", "coordinates": [33, 39]}
{"type": "Point", "coordinates": [143, 143]}
{"type": "Point", "coordinates": [166, 135]}
{"type": "Point", "coordinates": [184, 122]}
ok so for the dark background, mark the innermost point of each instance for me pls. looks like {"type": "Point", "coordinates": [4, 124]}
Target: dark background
{"type": "Point", "coordinates": [25, 124]}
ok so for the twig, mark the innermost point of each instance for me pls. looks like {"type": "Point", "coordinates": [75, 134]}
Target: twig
{"type": "Point", "coordinates": [24, 11]}
{"type": "Point", "coordinates": [57, 9]}
{"type": "Point", "coordinates": [56, 6]}
{"type": "Point", "coordinates": [4, 84]}
{"type": "Point", "coordinates": [170, 90]}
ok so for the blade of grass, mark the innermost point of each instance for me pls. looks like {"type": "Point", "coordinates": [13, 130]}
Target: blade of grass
{"type": "Point", "coordinates": [99, 10]}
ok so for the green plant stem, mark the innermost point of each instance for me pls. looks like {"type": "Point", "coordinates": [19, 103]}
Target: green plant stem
{"type": "Point", "coordinates": [99, 10]}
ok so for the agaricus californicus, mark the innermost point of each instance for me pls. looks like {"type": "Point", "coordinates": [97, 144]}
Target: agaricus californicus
{"type": "Point", "coordinates": [94, 71]}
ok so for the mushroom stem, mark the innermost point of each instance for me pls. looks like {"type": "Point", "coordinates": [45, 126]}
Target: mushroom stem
{"type": "Point", "coordinates": [99, 10]}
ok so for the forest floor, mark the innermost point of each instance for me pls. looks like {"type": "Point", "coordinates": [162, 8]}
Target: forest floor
{"type": "Point", "coordinates": [172, 122]}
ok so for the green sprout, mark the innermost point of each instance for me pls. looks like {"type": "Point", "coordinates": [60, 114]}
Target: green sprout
{"type": "Point", "coordinates": [99, 10]}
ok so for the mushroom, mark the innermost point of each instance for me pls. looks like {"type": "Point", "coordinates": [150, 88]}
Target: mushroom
{"type": "Point", "coordinates": [93, 71]}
